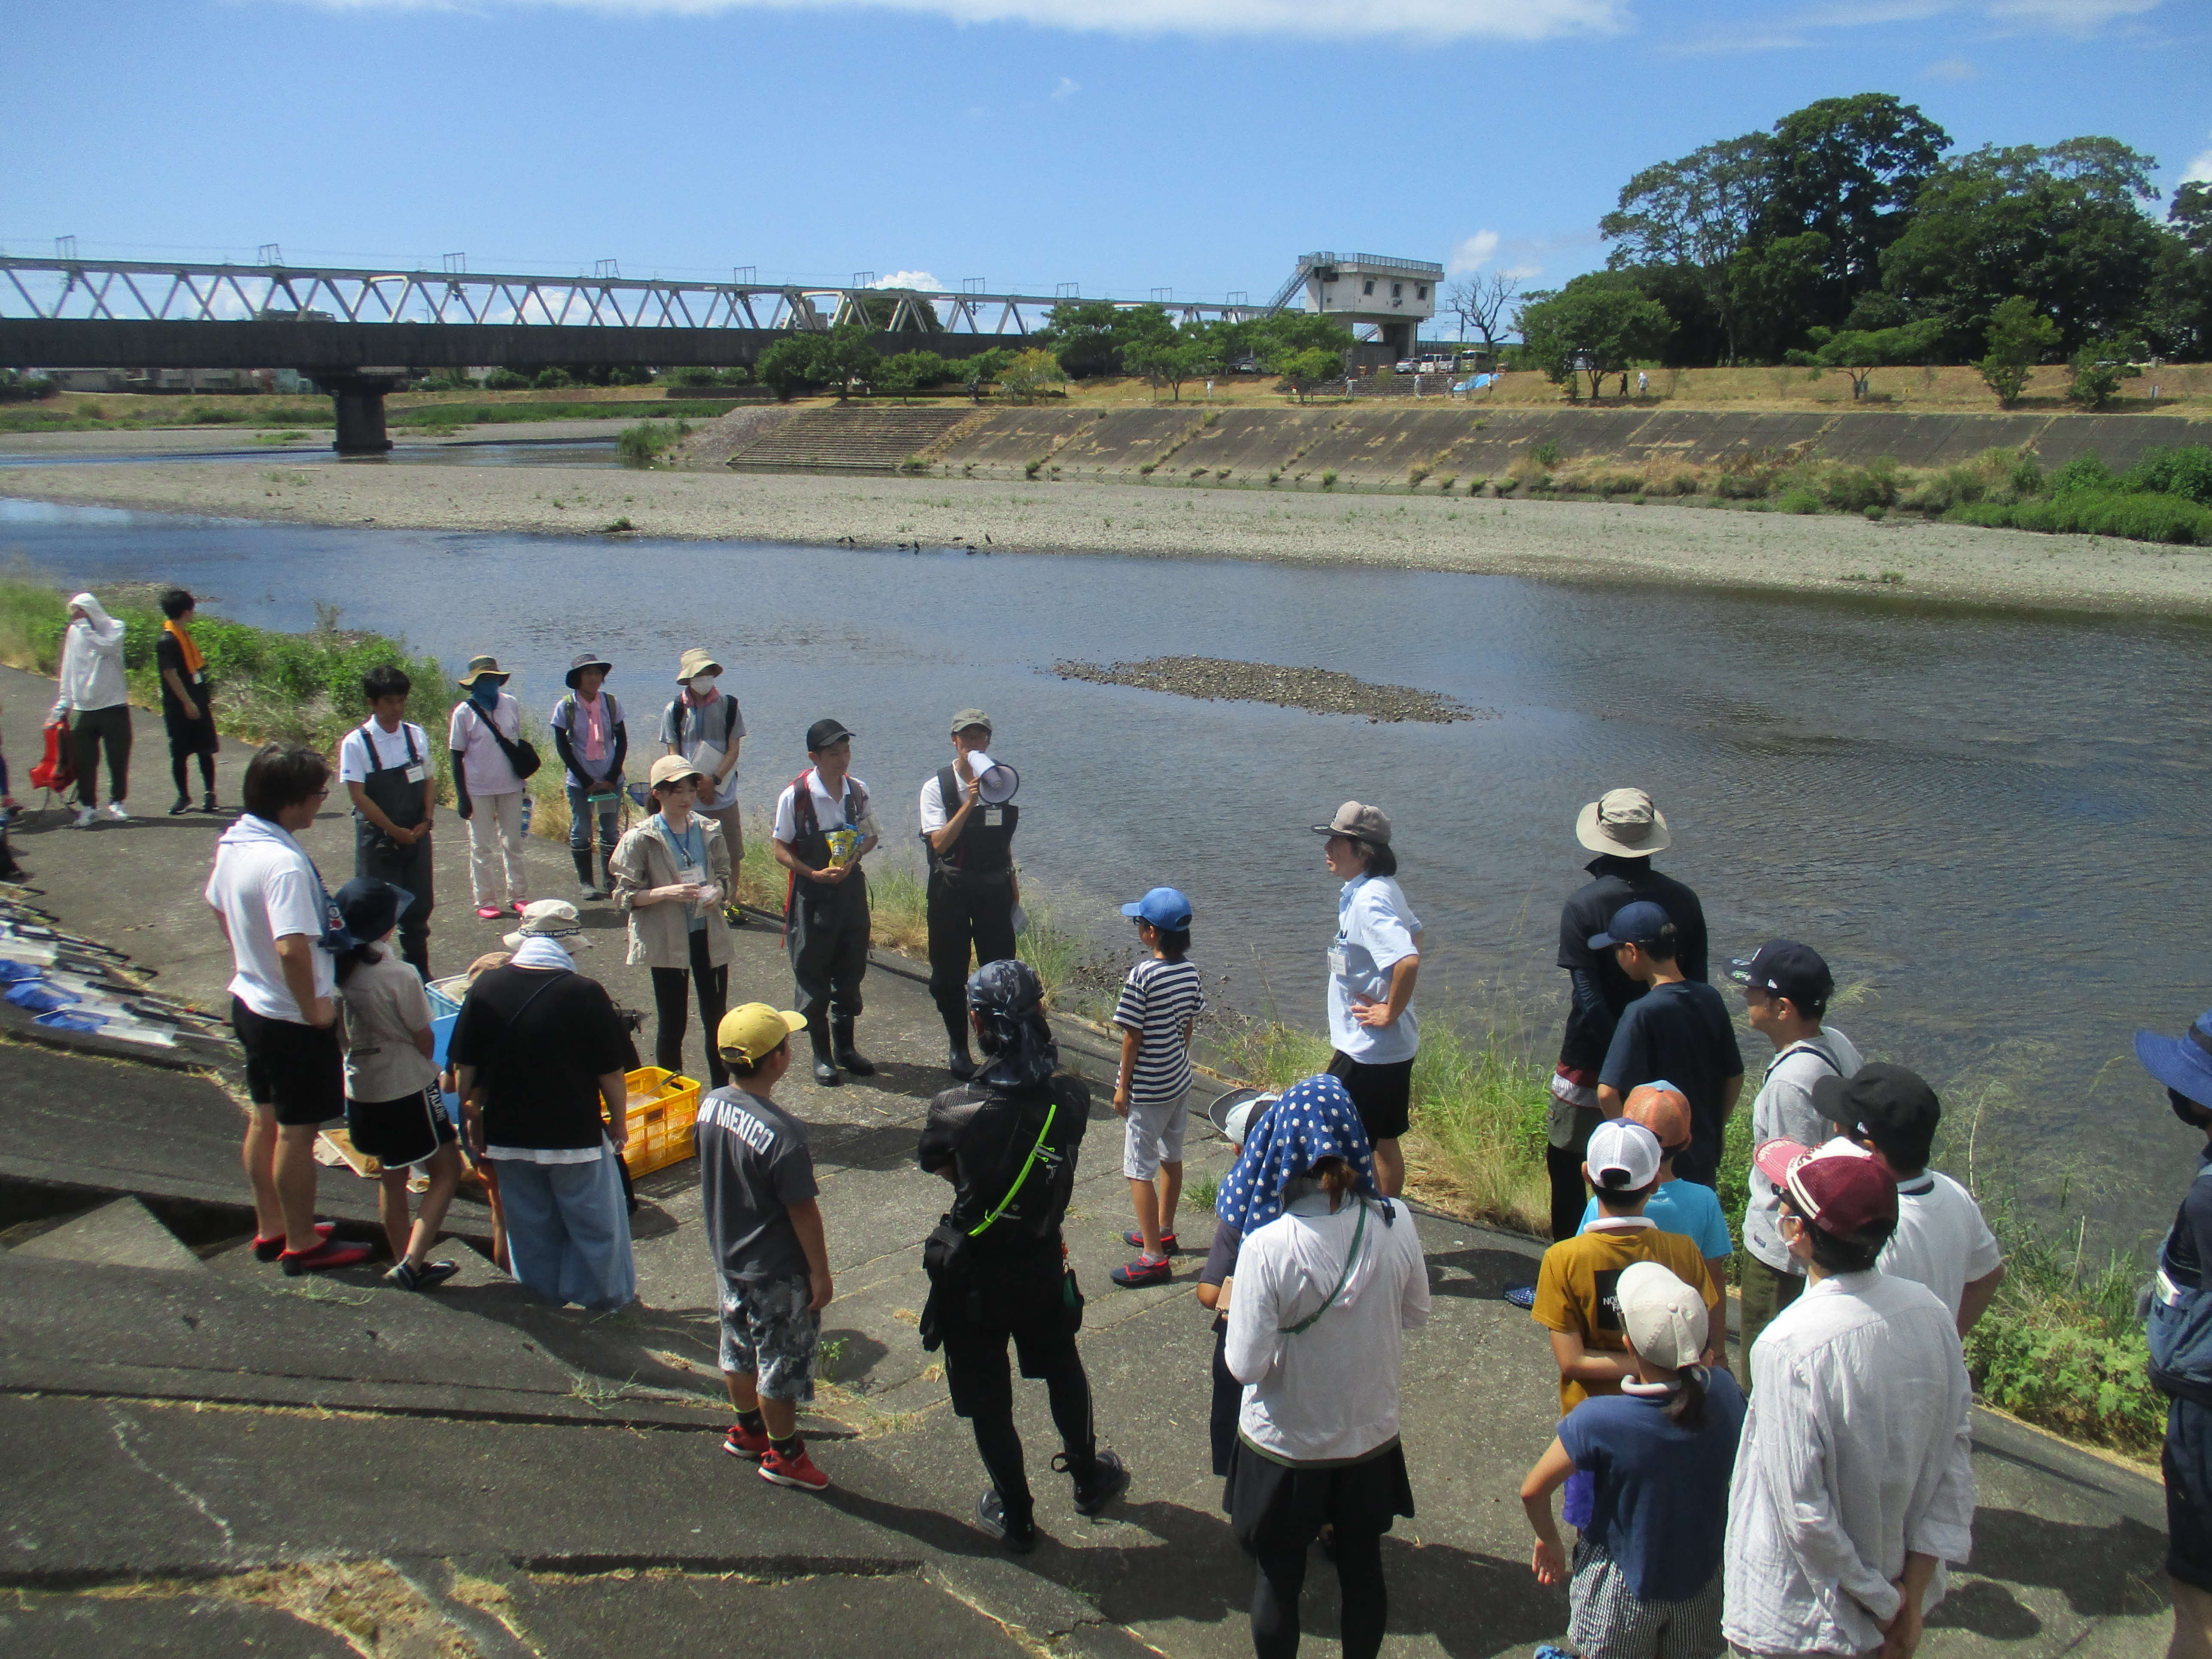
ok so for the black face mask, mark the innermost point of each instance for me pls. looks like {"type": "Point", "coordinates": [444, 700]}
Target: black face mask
{"type": "Point", "coordinates": [2196, 1116]}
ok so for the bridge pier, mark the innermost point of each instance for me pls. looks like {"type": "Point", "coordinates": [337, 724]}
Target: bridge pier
{"type": "Point", "coordinates": [360, 403]}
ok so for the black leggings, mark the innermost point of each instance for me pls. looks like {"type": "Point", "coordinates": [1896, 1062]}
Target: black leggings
{"type": "Point", "coordinates": [672, 1016]}
{"type": "Point", "coordinates": [1069, 1390]}
{"type": "Point", "coordinates": [1364, 1601]}
{"type": "Point", "coordinates": [207, 773]}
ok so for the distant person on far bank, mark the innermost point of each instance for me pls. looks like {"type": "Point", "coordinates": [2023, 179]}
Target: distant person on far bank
{"type": "Point", "coordinates": [96, 701]}
{"type": "Point", "coordinates": [973, 886]}
{"type": "Point", "coordinates": [592, 738]}
{"type": "Point", "coordinates": [485, 738]}
{"type": "Point", "coordinates": [1942, 1239]}
{"type": "Point", "coordinates": [385, 765]}
{"type": "Point", "coordinates": [1786, 988]}
{"type": "Point", "coordinates": [1679, 1030]}
{"type": "Point", "coordinates": [704, 724]}
{"type": "Point", "coordinates": [188, 713]}
{"type": "Point", "coordinates": [1855, 1477]}
{"type": "Point", "coordinates": [2181, 1340]}
{"type": "Point", "coordinates": [1625, 830]}
{"type": "Point", "coordinates": [671, 875]}
{"type": "Point", "coordinates": [1372, 965]}
{"type": "Point", "coordinates": [1156, 1017]}
{"type": "Point", "coordinates": [824, 825]}
{"type": "Point", "coordinates": [283, 930]}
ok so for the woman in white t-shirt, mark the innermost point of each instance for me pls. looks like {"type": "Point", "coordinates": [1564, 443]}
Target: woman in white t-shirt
{"type": "Point", "coordinates": [486, 728]}
{"type": "Point", "coordinates": [1372, 965]}
{"type": "Point", "coordinates": [1330, 1275]}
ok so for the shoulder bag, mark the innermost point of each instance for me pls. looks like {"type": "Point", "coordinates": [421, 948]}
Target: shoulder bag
{"type": "Point", "coordinates": [521, 753]}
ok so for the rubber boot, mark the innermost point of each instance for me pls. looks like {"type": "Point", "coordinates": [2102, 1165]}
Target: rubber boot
{"type": "Point", "coordinates": [847, 1056]}
{"type": "Point", "coordinates": [959, 1062]}
{"type": "Point", "coordinates": [607, 871]}
{"type": "Point", "coordinates": [582, 858]}
{"type": "Point", "coordinates": [826, 1069]}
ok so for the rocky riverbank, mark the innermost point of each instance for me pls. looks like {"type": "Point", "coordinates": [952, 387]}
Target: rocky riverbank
{"type": "Point", "coordinates": [1216, 679]}
{"type": "Point", "coordinates": [1567, 541]}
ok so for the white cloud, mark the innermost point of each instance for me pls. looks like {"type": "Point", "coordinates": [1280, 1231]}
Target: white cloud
{"type": "Point", "coordinates": [1423, 20]}
{"type": "Point", "coordinates": [920, 279]}
{"type": "Point", "coordinates": [1066, 90]}
{"type": "Point", "coordinates": [1524, 273]}
{"type": "Point", "coordinates": [1804, 27]}
{"type": "Point", "coordinates": [1951, 68]}
{"type": "Point", "coordinates": [2069, 16]}
{"type": "Point", "coordinates": [2200, 168]}
{"type": "Point", "coordinates": [1472, 252]}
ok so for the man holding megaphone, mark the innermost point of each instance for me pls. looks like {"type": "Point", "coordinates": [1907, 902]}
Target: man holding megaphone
{"type": "Point", "coordinates": [968, 820]}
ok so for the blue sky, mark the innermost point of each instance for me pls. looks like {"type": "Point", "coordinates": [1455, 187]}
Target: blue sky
{"type": "Point", "coordinates": [1122, 145]}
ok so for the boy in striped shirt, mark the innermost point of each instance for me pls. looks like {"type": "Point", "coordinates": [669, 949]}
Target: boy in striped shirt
{"type": "Point", "coordinates": [1158, 1013]}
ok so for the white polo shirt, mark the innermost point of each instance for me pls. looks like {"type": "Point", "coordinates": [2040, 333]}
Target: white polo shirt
{"type": "Point", "coordinates": [1941, 1240]}
{"type": "Point", "coordinates": [265, 887]}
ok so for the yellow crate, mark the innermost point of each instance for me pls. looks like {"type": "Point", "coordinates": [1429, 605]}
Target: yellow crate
{"type": "Point", "coordinates": [663, 1112]}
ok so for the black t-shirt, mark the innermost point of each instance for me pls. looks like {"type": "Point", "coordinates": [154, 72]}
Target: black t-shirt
{"type": "Point", "coordinates": [1679, 1033]}
{"type": "Point", "coordinates": [2191, 1246]}
{"type": "Point", "coordinates": [981, 1136]}
{"type": "Point", "coordinates": [540, 1040]}
{"type": "Point", "coordinates": [1617, 882]}
{"type": "Point", "coordinates": [169, 655]}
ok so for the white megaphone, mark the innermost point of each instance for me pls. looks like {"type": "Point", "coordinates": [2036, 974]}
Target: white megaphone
{"type": "Point", "coordinates": [995, 782]}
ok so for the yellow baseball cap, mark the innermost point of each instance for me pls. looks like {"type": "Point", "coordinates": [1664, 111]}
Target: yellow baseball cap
{"type": "Point", "coordinates": [754, 1031]}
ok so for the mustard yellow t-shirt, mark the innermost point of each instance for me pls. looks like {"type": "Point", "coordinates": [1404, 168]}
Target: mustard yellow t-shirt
{"type": "Point", "coordinates": [1575, 1289]}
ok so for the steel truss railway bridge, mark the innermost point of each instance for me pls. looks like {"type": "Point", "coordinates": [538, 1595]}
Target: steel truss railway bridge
{"type": "Point", "coordinates": [358, 334]}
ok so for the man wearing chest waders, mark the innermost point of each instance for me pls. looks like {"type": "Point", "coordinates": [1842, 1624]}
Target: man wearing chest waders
{"type": "Point", "coordinates": [824, 824]}
{"type": "Point", "coordinates": [385, 765]}
{"type": "Point", "coordinates": [973, 886]}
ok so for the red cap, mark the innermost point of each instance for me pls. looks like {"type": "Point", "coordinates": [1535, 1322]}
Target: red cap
{"type": "Point", "coordinates": [1840, 1188]}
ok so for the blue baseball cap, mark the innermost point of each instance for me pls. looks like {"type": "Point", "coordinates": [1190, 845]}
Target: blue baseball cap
{"type": "Point", "coordinates": [1162, 906]}
{"type": "Point", "coordinates": [1632, 924]}
{"type": "Point", "coordinates": [2183, 1064]}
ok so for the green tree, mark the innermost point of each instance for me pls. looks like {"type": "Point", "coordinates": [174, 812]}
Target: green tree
{"type": "Point", "coordinates": [1307, 367]}
{"type": "Point", "coordinates": [1031, 374]}
{"type": "Point", "coordinates": [1858, 351]}
{"type": "Point", "coordinates": [2099, 367]}
{"type": "Point", "coordinates": [909, 372]}
{"type": "Point", "coordinates": [2019, 338]}
{"type": "Point", "coordinates": [1184, 357]}
{"type": "Point", "coordinates": [1090, 336]}
{"type": "Point", "coordinates": [1599, 324]}
{"type": "Point", "coordinates": [2063, 226]}
{"type": "Point", "coordinates": [976, 372]}
{"type": "Point", "coordinates": [849, 357]}
{"type": "Point", "coordinates": [1774, 288]}
{"type": "Point", "coordinates": [2177, 313]}
{"type": "Point", "coordinates": [793, 364]}
{"type": "Point", "coordinates": [1296, 330]}
{"type": "Point", "coordinates": [1694, 215]}
{"type": "Point", "coordinates": [1852, 169]}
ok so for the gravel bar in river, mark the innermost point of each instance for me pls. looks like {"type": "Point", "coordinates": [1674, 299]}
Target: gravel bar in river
{"type": "Point", "coordinates": [1216, 679]}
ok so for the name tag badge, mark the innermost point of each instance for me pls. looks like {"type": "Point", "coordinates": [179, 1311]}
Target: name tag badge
{"type": "Point", "coordinates": [993, 817]}
{"type": "Point", "coordinates": [691, 876]}
{"type": "Point", "coordinates": [1336, 960]}
{"type": "Point", "coordinates": [414, 774]}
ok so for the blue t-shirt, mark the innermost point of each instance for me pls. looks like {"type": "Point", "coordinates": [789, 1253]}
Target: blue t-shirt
{"type": "Point", "coordinates": [1684, 1207]}
{"type": "Point", "coordinates": [1681, 1032]}
{"type": "Point", "coordinates": [1660, 1506]}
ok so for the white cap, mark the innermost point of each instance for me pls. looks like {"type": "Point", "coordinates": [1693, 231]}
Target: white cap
{"type": "Point", "coordinates": [1622, 1157]}
{"type": "Point", "coordinates": [1665, 1318]}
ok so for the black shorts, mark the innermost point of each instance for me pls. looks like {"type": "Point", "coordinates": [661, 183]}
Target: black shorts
{"type": "Point", "coordinates": [396, 1133]}
{"type": "Point", "coordinates": [1283, 1506]}
{"type": "Point", "coordinates": [2187, 1463]}
{"type": "Point", "coordinates": [296, 1069]}
{"type": "Point", "coordinates": [1383, 1095]}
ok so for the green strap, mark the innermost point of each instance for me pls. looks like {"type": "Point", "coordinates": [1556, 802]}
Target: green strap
{"type": "Point", "coordinates": [1350, 1257]}
{"type": "Point", "coordinates": [1051, 1112]}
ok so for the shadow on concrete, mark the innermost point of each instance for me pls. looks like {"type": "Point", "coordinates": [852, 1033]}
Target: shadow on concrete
{"type": "Point", "coordinates": [2103, 1571]}
{"type": "Point", "coordinates": [631, 1348]}
{"type": "Point", "coordinates": [857, 1354]}
{"type": "Point", "coordinates": [1476, 1274]}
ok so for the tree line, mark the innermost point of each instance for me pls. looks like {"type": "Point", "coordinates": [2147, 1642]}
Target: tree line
{"type": "Point", "coordinates": [1844, 238]}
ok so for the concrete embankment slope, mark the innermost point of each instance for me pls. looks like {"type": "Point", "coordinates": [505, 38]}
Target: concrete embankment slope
{"type": "Point", "coordinates": [1402, 443]}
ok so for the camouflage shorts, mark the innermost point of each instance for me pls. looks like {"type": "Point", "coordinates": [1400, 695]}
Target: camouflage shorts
{"type": "Point", "coordinates": [768, 1334]}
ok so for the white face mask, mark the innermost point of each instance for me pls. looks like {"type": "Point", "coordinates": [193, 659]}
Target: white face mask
{"type": "Point", "coordinates": [702, 684]}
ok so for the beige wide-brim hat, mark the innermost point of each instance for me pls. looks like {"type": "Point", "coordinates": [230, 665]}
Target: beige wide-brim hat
{"type": "Point", "coordinates": [1624, 822]}
{"type": "Point", "coordinates": [553, 919]}
{"type": "Point", "coordinates": [669, 768]}
{"type": "Point", "coordinates": [695, 661]}
{"type": "Point", "coordinates": [478, 667]}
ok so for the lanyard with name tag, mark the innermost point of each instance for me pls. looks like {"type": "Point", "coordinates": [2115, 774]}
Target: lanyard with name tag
{"type": "Point", "coordinates": [1336, 960]}
{"type": "Point", "coordinates": [993, 817]}
{"type": "Point", "coordinates": [414, 774]}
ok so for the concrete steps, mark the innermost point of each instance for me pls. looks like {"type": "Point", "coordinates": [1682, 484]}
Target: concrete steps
{"type": "Point", "coordinates": [846, 440]}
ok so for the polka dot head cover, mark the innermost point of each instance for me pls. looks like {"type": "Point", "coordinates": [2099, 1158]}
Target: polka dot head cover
{"type": "Point", "coordinates": [1313, 1119]}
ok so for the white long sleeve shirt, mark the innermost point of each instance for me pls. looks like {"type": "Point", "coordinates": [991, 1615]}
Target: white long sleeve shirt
{"type": "Point", "coordinates": [1858, 1448]}
{"type": "Point", "coordinates": [1329, 1393]}
{"type": "Point", "coordinates": [91, 674]}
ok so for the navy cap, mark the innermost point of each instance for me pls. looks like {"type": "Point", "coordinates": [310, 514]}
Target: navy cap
{"type": "Point", "coordinates": [1788, 969]}
{"type": "Point", "coordinates": [2183, 1064]}
{"type": "Point", "coordinates": [1162, 906]}
{"type": "Point", "coordinates": [1632, 924]}
{"type": "Point", "coordinates": [826, 734]}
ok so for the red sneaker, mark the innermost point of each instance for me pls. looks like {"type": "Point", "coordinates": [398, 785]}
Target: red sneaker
{"type": "Point", "coordinates": [742, 1442]}
{"type": "Point", "coordinates": [489, 913]}
{"type": "Point", "coordinates": [324, 1256]}
{"type": "Point", "coordinates": [516, 905]}
{"type": "Point", "coordinates": [268, 1249]}
{"type": "Point", "coordinates": [793, 1468]}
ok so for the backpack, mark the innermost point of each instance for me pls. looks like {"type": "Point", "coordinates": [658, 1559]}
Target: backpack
{"type": "Point", "coordinates": [58, 769]}
{"type": "Point", "coordinates": [2178, 1324]}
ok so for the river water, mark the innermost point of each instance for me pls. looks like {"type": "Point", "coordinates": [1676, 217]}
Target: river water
{"type": "Point", "coordinates": [1991, 824]}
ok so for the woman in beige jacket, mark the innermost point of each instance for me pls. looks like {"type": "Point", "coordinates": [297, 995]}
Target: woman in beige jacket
{"type": "Point", "coordinates": [672, 878]}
